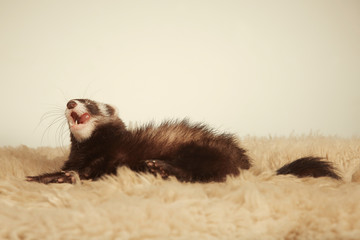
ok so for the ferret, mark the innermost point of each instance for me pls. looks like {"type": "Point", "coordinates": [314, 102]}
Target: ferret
{"type": "Point", "coordinates": [101, 143]}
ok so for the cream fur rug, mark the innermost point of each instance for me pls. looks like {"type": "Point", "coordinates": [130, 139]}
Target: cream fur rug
{"type": "Point", "coordinates": [255, 205]}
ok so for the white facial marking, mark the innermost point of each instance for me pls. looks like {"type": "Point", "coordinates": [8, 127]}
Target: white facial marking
{"type": "Point", "coordinates": [81, 131]}
{"type": "Point", "coordinates": [82, 124]}
{"type": "Point", "coordinates": [103, 109]}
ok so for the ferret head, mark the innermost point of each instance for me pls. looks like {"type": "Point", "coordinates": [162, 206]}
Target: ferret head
{"type": "Point", "coordinates": [84, 115]}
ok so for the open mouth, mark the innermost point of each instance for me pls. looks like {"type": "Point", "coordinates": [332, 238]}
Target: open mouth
{"type": "Point", "coordinates": [84, 118]}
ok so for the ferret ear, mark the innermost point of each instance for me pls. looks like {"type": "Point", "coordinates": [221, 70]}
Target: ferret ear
{"type": "Point", "coordinates": [112, 110]}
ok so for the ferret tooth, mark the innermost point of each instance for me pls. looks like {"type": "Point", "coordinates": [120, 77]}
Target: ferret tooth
{"type": "Point", "coordinates": [76, 122]}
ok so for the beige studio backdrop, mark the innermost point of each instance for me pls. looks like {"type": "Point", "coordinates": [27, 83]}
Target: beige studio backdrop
{"type": "Point", "coordinates": [248, 67]}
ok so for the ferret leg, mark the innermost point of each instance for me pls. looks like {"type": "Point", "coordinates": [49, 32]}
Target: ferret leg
{"type": "Point", "coordinates": [57, 177]}
{"type": "Point", "coordinates": [165, 169]}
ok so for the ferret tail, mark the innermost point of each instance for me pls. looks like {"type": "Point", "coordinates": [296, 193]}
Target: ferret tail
{"type": "Point", "coordinates": [309, 167]}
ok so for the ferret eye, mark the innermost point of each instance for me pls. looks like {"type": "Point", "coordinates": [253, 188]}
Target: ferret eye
{"type": "Point", "coordinates": [93, 109]}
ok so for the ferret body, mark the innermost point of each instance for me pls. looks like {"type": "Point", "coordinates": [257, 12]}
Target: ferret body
{"type": "Point", "coordinates": [100, 144]}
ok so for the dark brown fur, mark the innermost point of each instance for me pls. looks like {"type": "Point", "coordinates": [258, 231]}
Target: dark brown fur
{"type": "Point", "coordinates": [193, 152]}
{"type": "Point", "coordinates": [190, 152]}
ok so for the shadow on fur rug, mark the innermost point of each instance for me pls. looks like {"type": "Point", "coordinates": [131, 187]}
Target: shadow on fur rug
{"type": "Point", "coordinates": [255, 205]}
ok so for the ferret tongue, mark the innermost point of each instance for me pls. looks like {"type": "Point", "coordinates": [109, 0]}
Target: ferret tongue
{"type": "Point", "coordinates": [84, 118]}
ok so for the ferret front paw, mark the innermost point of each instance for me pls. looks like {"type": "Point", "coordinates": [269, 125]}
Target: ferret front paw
{"type": "Point", "coordinates": [58, 177]}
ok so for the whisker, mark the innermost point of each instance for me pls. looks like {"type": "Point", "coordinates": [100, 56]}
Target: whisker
{"type": "Point", "coordinates": [57, 133]}
{"type": "Point", "coordinates": [46, 116]}
{"type": "Point", "coordinates": [61, 131]}
{"type": "Point", "coordinates": [66, 99]}
{"type": "Point", "coordinates": [86, 89]}
{"type": "Point", "coordinates": [52, 123]}
{"type": "Point", "coordinates": [49, 115]}
{"type": "Point", "coordinates": [57, 136]}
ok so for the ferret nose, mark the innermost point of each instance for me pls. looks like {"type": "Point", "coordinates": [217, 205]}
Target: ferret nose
{"type": "Point", "coordinates": [71, 104]}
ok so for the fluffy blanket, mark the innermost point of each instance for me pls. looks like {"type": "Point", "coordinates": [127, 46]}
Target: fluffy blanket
{"type": "Point", "coordinates": [255, 205]}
